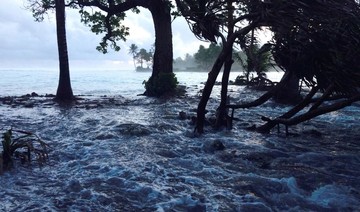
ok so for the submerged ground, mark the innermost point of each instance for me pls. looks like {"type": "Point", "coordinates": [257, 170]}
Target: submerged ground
{"type": "Point", "coordinates": [119, 154]}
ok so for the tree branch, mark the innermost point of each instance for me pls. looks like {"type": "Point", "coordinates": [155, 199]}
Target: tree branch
{"type": "Point", "coordinates": [264, 97]}
{"type": "Point", "coordinates": [113, 8]}
{"type": "Point", "coordinates": [319, 111]}
{"type": "Point", "coordinates": [325, 95]}
{"type": "Point", "coordinates": [94, 3]}
{"type": "Point", "coordinates": [272, 123]}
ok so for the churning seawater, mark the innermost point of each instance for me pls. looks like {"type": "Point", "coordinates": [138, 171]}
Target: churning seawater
{"type": "Point", "coordinates": [133, 153]}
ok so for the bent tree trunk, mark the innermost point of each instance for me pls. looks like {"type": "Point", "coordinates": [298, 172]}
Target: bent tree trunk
{"type": "Point", "coordinates": [64, 91]}
{"type": "Point", "coordinates": [225, 52]}
{"type": "Point", "coordinates": [291, 92]}
{"type": "Point", "coordinates": [319, 111]}
{"type": "Point", "coordinates": [305, 102]}
{"type": "Point", "coordinates": [222, 116]}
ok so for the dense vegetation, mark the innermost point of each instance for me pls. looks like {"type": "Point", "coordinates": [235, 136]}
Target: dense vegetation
{"type": "Point", "coordinates": [315, 41]}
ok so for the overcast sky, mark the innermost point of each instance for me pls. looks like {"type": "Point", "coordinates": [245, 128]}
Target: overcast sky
{"type": "Point", "coordinates": [27, 44]}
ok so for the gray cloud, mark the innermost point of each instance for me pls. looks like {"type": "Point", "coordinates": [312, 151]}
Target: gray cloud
{"type": "Point", "coordinates": [24, 41]}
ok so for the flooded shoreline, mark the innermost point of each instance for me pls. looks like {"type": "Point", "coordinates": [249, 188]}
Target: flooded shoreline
{"type": "Point", "coordinates": [137, 155]}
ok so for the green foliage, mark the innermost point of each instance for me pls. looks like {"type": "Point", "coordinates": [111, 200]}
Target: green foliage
{"type": "Point", "coordinates": [205, 57]}
{"type": "Point", "coordinates": [144, 55]}
{"type": "Point", "coordinates": [313, 40]}
{"type": "Point", "coordinates": [186, 64]}
{"type": "Point", "coordinates": [135, 10]}
{"type": "Point", "coordinates": [40, 8]}
{"type": "Point", "coordinates": [209, 19]}
{"type": "Point", "coordinates": [319, 42]}
{"type": "Point", "coordinates": [133, 50]}
{"type": "Point", "coordinates": [22, 146]}
{"type": "Point", "coordinates": [141, 55]}
{"type": "Point", "coordinates": [164, 83]}
{"type": "Point", "coordinates": [100, 23]}
{"type": "Point", "coordinates": [256, 60]}
{"type": "Point", "coordinates": [316, 40]}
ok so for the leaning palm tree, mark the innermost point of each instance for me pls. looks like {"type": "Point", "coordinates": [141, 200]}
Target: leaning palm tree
{"type": "Point", "coordinates": [133, 50]}
{"type": "Point", "coordinates": [64, 90]}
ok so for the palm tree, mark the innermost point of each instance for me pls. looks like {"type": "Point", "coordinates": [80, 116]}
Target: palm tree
{"type": "Point", "coordinates": [257, 59]}
{"type": "Point", "coordinates": [64, 90]}
{"type": "Point", "coordinates": [133, 50]}
{"type": "Point", "coordinates": [142, 56]}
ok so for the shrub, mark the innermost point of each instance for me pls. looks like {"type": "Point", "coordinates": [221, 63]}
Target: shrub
{"type": "Point", "coordinates": [241, 80]}
{"type": "Point", "coordinates": [21, 145]}
{"type": "Point", "coordinates": [164, 83]}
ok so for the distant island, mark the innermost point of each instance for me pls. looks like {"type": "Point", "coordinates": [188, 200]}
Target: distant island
{"type": "Point", "coordinates": [142, 69]}
{"type": "Point", "coordinates": [183, 69]}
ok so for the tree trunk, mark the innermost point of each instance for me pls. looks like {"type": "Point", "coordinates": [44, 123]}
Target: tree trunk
{"type": "Point", "coordinates": [163, 55]}
{"type": "Point", "coordinates": [225, 52]}
{"type": "Point", "coordinates": [134, 62]}
{"type": "Point", "coordinates": [162, 80]}
{"type": "Point", "coordinates": [64, 91]}
{"type": "Point", "coordinates": [291, 92]}
{"type": "Point", "coordinates": [222, 111]}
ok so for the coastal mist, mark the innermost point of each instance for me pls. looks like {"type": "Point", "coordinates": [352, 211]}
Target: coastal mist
{"type": "Point", "coordinates": [116, 150]}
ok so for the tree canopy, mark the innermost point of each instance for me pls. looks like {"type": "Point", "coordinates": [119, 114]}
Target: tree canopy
{"type": "Point", "coordinates": [320, 42]}
{"type": "Point", "coordinates": [205, 57]}
{"type": "Point", "coordinates": [102, 17]}
{"type": "Point", "coordinates": [316, 41]}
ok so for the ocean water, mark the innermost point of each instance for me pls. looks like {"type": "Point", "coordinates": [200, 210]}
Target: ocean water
{"type": "Point", "coordinates": [117, 151]}
{"type": "Point", "coordinates": [102, 82]}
